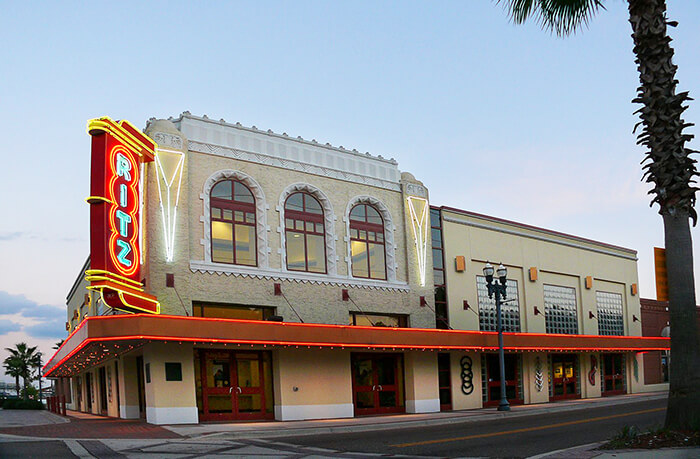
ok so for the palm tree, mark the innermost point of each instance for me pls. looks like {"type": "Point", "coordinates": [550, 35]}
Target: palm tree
{"type": "Point", "coordinates": [667, 165]}
{"type": "Point", "coordinates": [13, 368]}
{"type": "Point", "coordinates": [27, 358]}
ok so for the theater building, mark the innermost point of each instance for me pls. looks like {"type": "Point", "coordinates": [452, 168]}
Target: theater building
{"type": "Point", "coordinates": [237, 274]}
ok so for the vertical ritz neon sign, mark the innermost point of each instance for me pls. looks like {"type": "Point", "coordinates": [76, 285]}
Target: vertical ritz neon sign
{"type": "Point", "coordinates": [124, 211]}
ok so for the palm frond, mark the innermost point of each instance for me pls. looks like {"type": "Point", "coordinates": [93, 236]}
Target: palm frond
{"type": "Point", "coordinates": [562, 17]}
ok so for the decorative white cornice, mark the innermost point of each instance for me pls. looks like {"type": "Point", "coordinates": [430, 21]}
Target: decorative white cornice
{"type": "Point", "coordinates": [539, 237]}
{"type": "Point", "coordinates": [294, 276]}
{"type": "Point", "coordinates": [290, 164]}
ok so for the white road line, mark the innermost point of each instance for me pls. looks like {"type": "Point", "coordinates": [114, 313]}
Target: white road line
{"type": "Point", "coordinates": [77, 449]}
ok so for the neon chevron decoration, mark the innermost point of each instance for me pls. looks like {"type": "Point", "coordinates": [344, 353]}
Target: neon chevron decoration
{"type": "Point", "coordinates": [119, 151]}
{"type": "Point", "coordinates": [419, 209]}
{"type": "Point", "coordinates": [169, 166]}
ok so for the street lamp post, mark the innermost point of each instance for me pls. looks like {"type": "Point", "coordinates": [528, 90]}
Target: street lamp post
{"type": "Point", "coordinates": [499, 290]}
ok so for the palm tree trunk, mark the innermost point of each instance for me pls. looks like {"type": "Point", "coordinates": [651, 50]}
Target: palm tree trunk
{"type": "Point", "coordinates": [17, 385]}
{"type": "Point", "coordinates": [684, 394]}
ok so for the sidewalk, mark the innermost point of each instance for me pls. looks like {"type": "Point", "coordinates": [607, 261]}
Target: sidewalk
{"type": "Point", "coordinates": [267, 429]}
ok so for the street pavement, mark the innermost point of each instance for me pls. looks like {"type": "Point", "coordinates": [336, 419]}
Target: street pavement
{"type": "Point", "coordinates": [29, 434]}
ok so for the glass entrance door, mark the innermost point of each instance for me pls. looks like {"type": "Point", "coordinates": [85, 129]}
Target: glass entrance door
{"type": "Point", "coordinates": [564, 377]}
{"type": "Point", "coordinates": [234, 385]}
{"type": "Point", "coordinates": [377, 382]}
{"type": "Point", "coordinates": [613, 375]}
{"type": "Point", "coordinates": [493, 379]}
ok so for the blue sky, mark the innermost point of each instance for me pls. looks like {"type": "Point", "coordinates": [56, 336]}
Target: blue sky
{"type": "Point", "coordinates": [495, 118]}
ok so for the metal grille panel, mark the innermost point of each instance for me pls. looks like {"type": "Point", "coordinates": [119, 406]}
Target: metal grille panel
{"type": "Point", "coordinates": [487, 307]}
{"type": "Point", "coordinates": [560, 309]}
{"type": "Point", "coordinates": [609, 313]}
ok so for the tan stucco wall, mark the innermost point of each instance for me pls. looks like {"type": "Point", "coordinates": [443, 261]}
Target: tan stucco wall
{"type": "Point", "coordinates": [422, 389]}
{"type": "Point", "coordinates": [531, 393]}
{"type": "Point", "coordinates": [557, 262]}
{"type": "Point", "coordinates": [461, 401]}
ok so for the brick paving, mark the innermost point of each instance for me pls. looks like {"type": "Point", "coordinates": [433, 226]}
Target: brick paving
{"type": "Point", "coordinates": [93, 427]}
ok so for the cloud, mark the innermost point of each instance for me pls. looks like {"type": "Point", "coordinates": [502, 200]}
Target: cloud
{"type": "Point", "coordinates": [11, 236]}
{"type": "Point", "coordinates": [7, 326]}
{"type": "Point", "coordinates": [47, 321]}
{"type": "Point", "coordinates": [54, 328]}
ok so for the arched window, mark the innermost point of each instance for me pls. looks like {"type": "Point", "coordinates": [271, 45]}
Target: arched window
{"type": "Point", "coordinates": [233, 238]}
{"type": "Point", "coordinates": [304, 233]}
{"type": "Point", "coordinates": [367, 244]}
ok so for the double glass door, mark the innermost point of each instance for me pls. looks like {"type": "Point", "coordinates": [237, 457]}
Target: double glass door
{"type": "Point", "coordinates": [234, 385]}
{"type": "Point", "coordinates": [564, 377]}
{"type": "Point", "coordinates": [613, 374]}
{"type": "Point", "coordinates": [377, 383]}
{"type": "Point", "coordinates": [493, 379]}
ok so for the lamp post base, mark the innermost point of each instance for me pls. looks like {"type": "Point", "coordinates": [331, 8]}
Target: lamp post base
{"type": "Point", "coordinates": [504, 406]}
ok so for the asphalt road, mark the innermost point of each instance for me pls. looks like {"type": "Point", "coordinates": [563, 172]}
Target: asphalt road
{"type": "Point", "coordinates": [515, 437]}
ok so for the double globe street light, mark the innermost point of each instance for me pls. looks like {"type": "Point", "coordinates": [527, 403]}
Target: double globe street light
{"type": "Point", "coordinates": [499, 290]}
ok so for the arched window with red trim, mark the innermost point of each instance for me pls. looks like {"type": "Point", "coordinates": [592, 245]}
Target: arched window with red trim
{"type": "Point", "coordinates": [233, 238]}
{"type": "Point", "coordinates": [305, 233]}
{"type": "Point", "coordinates": [367, 242]}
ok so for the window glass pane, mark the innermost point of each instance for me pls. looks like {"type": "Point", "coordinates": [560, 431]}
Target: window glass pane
{"type": "Point", "coordinates": [360, 267]}
{"type": "Point", "coordinates": [222, 190]}
{"type": "Point", "coordinates": [560, 311]}
{"type": "Point", "coordinates": [312, 205]}
{"type": "Point", "coordinates": [221, 242]}
{"type": "Point", "coordinates": [373, 216]}
{"type": "Point", "coordinates": [363, 234]}
{"type": "Point", "coordinates": [228, 214]}
{"type": "Point", "coordinates": [380, 237]}
{"type": "Point", "coordinates": [289, 223]}
{"type": "Point", "coordinates": [316, 253]}
{"type": "Point", "coordinates": [434, 217]}
{"type": "Point", "coordinates": [436, 238]}
{"type": "Point", "coordinates": [609, 313]}
{"type": "Point", "coordinates": [245, 245]}
{"type": "Point", "coordinates": [438, 277]}
{"type": "Point", "coordinates": [510, 311]}
{"type": "Point", "coordinates": [295, 202]}
{"type": "Point", "coordinates": [239, 215]}
{"type": "Point", "coordinates": [377, 266]}
{"type": "Point", "coordinates": [225, 311]}
{"type": "Point", "coordinates": [358, 213]}
{"type": "Point", "coordinates": [295, 251]}
{"type": "Point", "coordinates": [370, 235]}
{"type": "Point", "coordinates": [310, 227]}
{"type": "Point", "coordinates": [299, 225]}
{"type": "Point", "coordinates": [215, 212]}
{"type": "Point", "coordinates": [249, 217]}
{"type": "Point", "coordinates": [353, 232]}
{"type": "Point", "coordinates": [437, 258]}
{"type": "Point", "coordinates": [319, 227]}
{"type": "Point", "coordinates": [242, 193]}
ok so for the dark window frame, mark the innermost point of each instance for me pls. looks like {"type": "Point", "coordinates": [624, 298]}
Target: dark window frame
{"type": "Point", "coordinates": [366, 226]}
{"type": "Point", "coordinates": [305, 217]}
{"type": "Point", "coordinates": [233, 206]}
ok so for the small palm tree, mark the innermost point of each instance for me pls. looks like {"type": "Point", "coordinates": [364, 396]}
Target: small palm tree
{"type": "Point", "coordinates": [667, 165]}
{"type": "Point", "coordinates": [27, 359]}
{"type": "Point", "coordinates": [13, 368]}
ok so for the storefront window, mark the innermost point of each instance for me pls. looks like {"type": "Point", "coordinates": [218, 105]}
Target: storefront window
{"type": "Point", "coordinates": [378, 320]}
{"type": "Point", "coordinates": [367, 243]}
{"type": "Point", "coordinates": [233, 217]}
{"type": "Point", "coordinates": [232, 311]}
{"type": "Point", "coordinates": [305, 234]}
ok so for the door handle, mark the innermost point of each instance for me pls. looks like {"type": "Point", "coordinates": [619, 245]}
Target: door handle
{"type": "Point", "coordinates": [380, 388]}
{"type": "Point", "coordinates": [374, 388]}
{"type": "Point", "coordinates": [240, 391]}
{"type": "Point", "coordinates": [230, 389]}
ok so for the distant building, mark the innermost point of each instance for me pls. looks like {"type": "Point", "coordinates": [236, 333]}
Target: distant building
{"type": "Point", "coordinates": [279, 278]}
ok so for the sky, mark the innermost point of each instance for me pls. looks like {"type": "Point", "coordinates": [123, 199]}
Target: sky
{"type": "Point", "coordinates": [494, 118]}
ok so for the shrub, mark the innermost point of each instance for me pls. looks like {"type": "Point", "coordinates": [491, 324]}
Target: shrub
{"type": "Point", "coordinates": [19, 404]}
